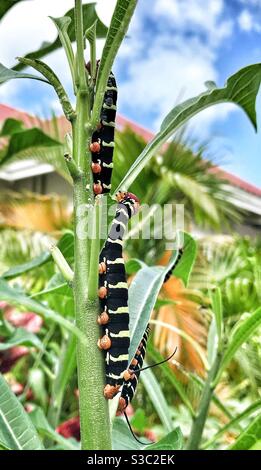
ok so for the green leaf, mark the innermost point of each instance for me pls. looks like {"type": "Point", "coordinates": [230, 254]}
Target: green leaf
{"type": "Point", "coordinates": [6, 5]}
{"type": "Point", "coordinates": [212, 344]}
{"type": "Point", "coordinates": [170, 376]}
{"type": "Point", "coordinates": [16, 430]}
{"type": "Point", "coordinates": [122, 438]}
{"type": "Point", "coordinates": [239, 337]}
{"type": "Point", "coordinates": [241, 89]}
{"type": "Point", "coordinates": [36, 382]}
{"type": "Point", "coordinates": [133, 265]}
{"type": "Point", "coordinates": [249, 437]}
{"type": "Point", "coordinates": [10, 74]}
{"type": "Point", "coordinates": [185, 265]}
{"type": "Point", "coordinates": [22, 337]}
{"type": "Point", "coordinates": [89, 16]}
{"type": "Point", "coordinates": [52, 78]}
{"type": "Point", "coordinates": [25, 267]}
{"type": "Point", "coordinates": [173, 441]}
{"type": "Point", "coordinates": [233, 423]}
{"type": "Point", "coordinates": [65, 245]}
{"type": "Point", "coordinates": [197, 193]}
{"type": "Point", "coordinates": [40, 422]}
{"type": "Point", "coordinates": [146, 286]}
{"type": "Point", "coordinates": [157, 398]}
{"type": "Point", "coordinates": [216, 301]}
{"type": "Point", "coordinates": [16, 297]}
{"type": "Point", "coordinates": [11, 126]}
{"type": "Point", "coordinates": [119, 25]}
{"type": "Point", "coordinates": [25, 140]}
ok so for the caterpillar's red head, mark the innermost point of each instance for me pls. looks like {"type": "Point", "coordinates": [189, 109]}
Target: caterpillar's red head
{"type": "Point", "coordinates": [122, 196]}
{"type": "Point", "coordinates": [110, 391]}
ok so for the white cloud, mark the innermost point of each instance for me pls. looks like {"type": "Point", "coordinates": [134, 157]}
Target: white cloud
{"type": "Point", "coordinates": [167, 77]}
{"type": "Point", "coordinates": [197, 16]}
{"type": "Point", "coordinates": [247, 22]}
{"type": "Point", "coordinates": [25, 27]}
{"type": "Point", "coordinates": [174, 64]}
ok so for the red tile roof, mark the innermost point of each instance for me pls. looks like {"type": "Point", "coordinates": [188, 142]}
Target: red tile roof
{"type": "Point", "coordinates": [9, 112]}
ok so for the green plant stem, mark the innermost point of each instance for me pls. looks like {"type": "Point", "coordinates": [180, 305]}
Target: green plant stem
{"type": "Point", "coordinates": [200, 419]}
{"type": "Point", "coordinates": [94, 414]}
{"type": "Point", "coordinates": [61, 263]}
{"type": "Point", "coordinates": [66, 366]}
{"type": "Point", "coordinates": [80, 47]}
{"type": "Point", "coordinates": [95, 250]}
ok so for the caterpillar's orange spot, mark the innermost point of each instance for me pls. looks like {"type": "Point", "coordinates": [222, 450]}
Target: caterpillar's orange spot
{"type": "Point", "coordinates": [122, 404]}
{"type": "Point", "coordinates": [110, 391]}
{"type": "Point", "coordinates": [103, 318]}
{"type": "Point", "coordinates": [96, 168]}
{"type": "Point", "coordinates": [97, 188]}
{"type": "Point", "coordinates": [95, 147]}
{"type": "Point", "coordinates": [102, 292]}
{"type": "Point", "coordinates": [127, 375]}
{"type": "Point", "coordinates": [102, 268]}
{"type": "Point", "coordinates": [134, 362]}
{"type": "Point", "coordinates": [104, 342]}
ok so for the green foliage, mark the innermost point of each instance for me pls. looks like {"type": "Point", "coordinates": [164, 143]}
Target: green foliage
{"type": "Point", "coordinates": [89, 16]}
{"type": "Point", "coordinates": [243, 330]}
{"type": "Point", "coordinates": [241, 89]}
{"type": "Point", "coordinates": [6, 5]}
{"type": "Point", "coordinates": [217, 307]}
{"type": "Point", "coordinates": [250, 437]}
{"type": "Point", "coordinates": [11, 126]}
{"type": "Point", "coordinates": [16, 430]}
{"type": "Point", "coordinates": [43, 427]}
{"type": "Point", "coordinates": [9, 74]}
{"type": "Point", "coordinates": [119, 24]}
{"type": "Point", "coordinates": [146, 286]}
{"type": "Point", "coordinates": [158, 400]}
{"type": "Point", "coordinates": [172, 441]}
{"type": "Point", "coordinates": [16, 297]}
{"type": "Point", "coordinates": [25, 141]}
{"type": "Point", "coordinates": [232, 274]}
{"type": "Point", "coordinates": [21, 336]}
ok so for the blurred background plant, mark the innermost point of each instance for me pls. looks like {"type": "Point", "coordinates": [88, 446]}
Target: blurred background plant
{"type": "Point", "coordinates": [42, 375]}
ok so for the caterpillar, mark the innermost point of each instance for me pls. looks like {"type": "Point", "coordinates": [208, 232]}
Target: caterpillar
{"type": "Point", "coordinates": [131, 376]}
{"type": "Point", "coordinates": [113, 294]}
{"type": "Point", "coordinates": [102, 144]}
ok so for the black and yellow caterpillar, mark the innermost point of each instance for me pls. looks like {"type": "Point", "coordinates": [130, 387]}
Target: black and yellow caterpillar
{"type": "Point", "coordinates": [131, 376]}
{"type": "Point", "coordinates": [102, 144]}
{"type": "Point", "coordinates": [113, 294]}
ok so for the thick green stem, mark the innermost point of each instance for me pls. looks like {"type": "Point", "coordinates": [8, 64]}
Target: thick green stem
{"type": "Point", "coordinates": [94, 415]}
{"type": "Point", "coordinates": [200, 419]}
{"type": "Point", "coordinates": [80, 46]}
{"type": "Point", "coordinates": [95, 250]}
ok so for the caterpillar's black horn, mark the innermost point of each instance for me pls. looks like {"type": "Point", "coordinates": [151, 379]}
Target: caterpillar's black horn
{"type": "Point", "coordinates": [156, 364]}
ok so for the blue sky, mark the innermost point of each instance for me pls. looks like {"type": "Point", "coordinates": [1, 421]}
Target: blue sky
{"type": "Point", "coordinates": [173, 47]}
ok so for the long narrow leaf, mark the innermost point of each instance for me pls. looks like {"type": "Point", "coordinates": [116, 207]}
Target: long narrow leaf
{"type": "Point", "coordinates": [16, 430]}
{"type": "Point", "coordinates": [119, 24]}
{"type": "Point", "coordinates": [241, 89]}
{"type": "Point", "coordinates": [9, 74]}
{"type": "Point", "coordinates": [249, 411]}
{"type": "Point", "coordinates": [89, 16]}
{"type": "Point", "coordinates": [216, 301]}
{"type": "Point", "coordinates": [157, 398]}
{"type": "Point", "coordinates": [146, 286]}
{"type": "Point", "coordinates": [172, 441]}
{"type": "Point", "coordinates": [170, 376]}
{"type": "Point", "coordinates": [240, 336]}
{"type": "Point", "coordinates": [16, 297]}
{"type": "Point", "coordinates": [249, 437]}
